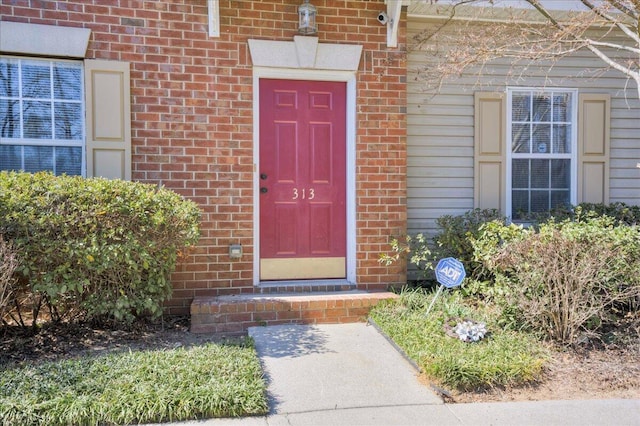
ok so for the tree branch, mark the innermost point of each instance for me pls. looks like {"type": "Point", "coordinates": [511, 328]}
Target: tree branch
{"type": "Point", "coordinates": [604, 29]}
{"type": "Point", "coordinates": [624, 9]}
{"type": "Point", "coordinates": [624, 28]}
{"type": "Point", "coordinates": [635, 75]}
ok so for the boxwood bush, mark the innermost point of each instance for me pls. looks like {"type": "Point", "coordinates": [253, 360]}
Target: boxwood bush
{"type": "Point", "coordinates": [101, 248]}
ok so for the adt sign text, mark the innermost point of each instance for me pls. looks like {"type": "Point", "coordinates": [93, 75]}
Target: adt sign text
{"type": "Point", "coordinates": [450, 272]}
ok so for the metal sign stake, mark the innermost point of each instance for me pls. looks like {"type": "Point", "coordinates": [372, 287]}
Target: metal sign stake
{"type": "Point", "coordinates": [433, 301]}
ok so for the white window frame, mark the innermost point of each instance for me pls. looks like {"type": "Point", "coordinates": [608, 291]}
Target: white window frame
{"type": "Point", "coordinates": [52, 142]}
{"type": "Point", "coordinates": [573, 156]}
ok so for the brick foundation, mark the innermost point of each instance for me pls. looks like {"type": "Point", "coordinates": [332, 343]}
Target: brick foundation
{"type": "Point", "coordinates": [231, 315]}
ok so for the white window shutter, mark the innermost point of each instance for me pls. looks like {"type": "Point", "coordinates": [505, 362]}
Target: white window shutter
{"type": "Point", "coordinates": [593, 147]}
{"type": "Point", "coordinates": [108, 124]}
{"type": "Point", "coordinates": [490, 151]}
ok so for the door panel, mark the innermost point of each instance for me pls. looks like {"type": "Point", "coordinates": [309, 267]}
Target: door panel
{"type": "Point", "coordinates": [302, 179]}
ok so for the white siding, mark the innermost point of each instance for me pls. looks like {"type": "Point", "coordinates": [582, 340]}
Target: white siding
{"type": "Point", "coordinates": [440, 131]}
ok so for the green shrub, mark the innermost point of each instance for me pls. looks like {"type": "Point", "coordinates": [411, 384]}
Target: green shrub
{"type": "Point", "coordinates": [104, 247]}
{"type": "Point", "coordinates": [456, 234]}
{"type": "Point", "coordinates": [416, 247]}
{"type": "Point", "coordinates": [453, 240]}
{"type": "Point", "coordinates": [622, 213]}
{"type": "Point", "coordinates": [8, 265]}
{"type": "Point", "coordinates": [563, 276]}
{"type": "Point", "coordinates": [487, 244]}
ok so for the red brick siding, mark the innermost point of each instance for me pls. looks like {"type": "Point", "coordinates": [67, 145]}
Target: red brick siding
{"type": "Point", "coordinates": [192, 117]}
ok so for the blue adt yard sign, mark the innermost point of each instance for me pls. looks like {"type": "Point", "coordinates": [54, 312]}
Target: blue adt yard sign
{"type": "Point", "coordinates": [450, 272]}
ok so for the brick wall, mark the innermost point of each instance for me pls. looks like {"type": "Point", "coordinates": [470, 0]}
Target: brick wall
{"type": "Point", "coordinates": [192, 117]}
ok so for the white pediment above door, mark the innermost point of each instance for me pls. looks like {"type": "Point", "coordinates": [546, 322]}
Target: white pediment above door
{"type": "Point", "coordinates": [305, 52]}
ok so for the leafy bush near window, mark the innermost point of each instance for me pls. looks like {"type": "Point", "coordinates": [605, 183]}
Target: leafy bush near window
{"type": "Point", "coordinates": [622, 213]}
{"type": "Point", "coordinates": [456, 234]}
{"type": "Point", "coordinates": [416, 248]}
{"type": "Point", "coordinates": [562, 278]}
{"type": "Point", "coordinates": [453, 240]}
{"type": "Point", "coordinates": [94, 248]}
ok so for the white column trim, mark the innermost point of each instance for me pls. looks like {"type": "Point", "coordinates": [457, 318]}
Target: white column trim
{"type": "Point", "coordinates": [213, 9]}
{"type": "Point", "coordinates": [394, 8]}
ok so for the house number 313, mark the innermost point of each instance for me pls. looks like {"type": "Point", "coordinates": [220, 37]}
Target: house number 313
{"type": "Point", "coordinates": [303, 194]}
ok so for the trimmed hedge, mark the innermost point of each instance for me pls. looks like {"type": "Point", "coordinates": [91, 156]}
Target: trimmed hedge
{"type": "Point", "coordinates": [104, 247]}
{"type": "Point", "coordinates": [561, 278]}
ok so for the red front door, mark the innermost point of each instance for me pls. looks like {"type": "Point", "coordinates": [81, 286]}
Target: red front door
{"type": "Point", "coordinates": [302, 179]}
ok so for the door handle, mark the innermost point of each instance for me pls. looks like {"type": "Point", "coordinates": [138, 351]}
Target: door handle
{"type": "Point", "coordinates": [263, 176]}
{"type": "Point", "coordinates": [264, 190]}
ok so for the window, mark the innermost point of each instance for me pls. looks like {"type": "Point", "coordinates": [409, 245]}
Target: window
{"type": "Point", "coordinates": [541, 163]}
{"type": "Point", "coordinates": [41, 115]}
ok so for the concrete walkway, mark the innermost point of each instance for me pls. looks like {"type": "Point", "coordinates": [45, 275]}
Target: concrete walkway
{"type": "Point", "coordinates": [349, 374]}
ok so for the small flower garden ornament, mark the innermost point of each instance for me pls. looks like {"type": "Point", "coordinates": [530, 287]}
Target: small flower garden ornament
{"type": "Point", "coordinates": [469, 331]}
{"type": "Point", "coordinates": [466, 330]}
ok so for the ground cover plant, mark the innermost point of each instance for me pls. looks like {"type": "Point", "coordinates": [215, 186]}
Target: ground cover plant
{"type": "Point", "coordinates": [135, 386]}
{"type": "Point", "coordinates": [502, 358]}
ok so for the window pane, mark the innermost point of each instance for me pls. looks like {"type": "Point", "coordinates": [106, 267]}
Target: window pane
{"type": "Point", "coordinates": [539, 173]}
{"type": "Point", "coordinates": [9, 118]}
{"type": "Point", "coordinates": [9, 78]}
{"type": "Point", "coordinates": [37, 119]}
{"type": "Point", "coordinates": [560, 199]}
{"type": "Point", "coordinates": [541, 138]}
{"type": "Point", "coordinates": [521, 107]}
{"type": "Point", "coordinates": [519, 204]}
{"type": "Point", "coordinates": [67, 81]}
{"type": "Point", "coordinates": [36, 80]}
{"type": "Point", "coordinates": [68, 118]}
{"type": "Point", "coordinates": [562, 107]}
{"type": "Point", "coordinates": [561, 174]}
{"type": "Point", "coordinates": [541, 107]}
{"type": "Point", "coordinates": [539, 201]}
{"type": "Point", "coordinates": [68, 160]}
{"type": "Point", "coordinates": [520, 174]}
{"type": "Point", "coordinates": [10, 157]}
{"type": "Point", "coordinates": [43, 100]}
{"type": "Point", "coordinates": [562, 139]}
{"type": "Point", "coordinates": [38, 158]}
{"type": "Point", "coordinates": [520, 138]}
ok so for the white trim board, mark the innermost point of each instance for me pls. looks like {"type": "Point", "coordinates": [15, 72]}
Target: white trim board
{"type": "Point", "coordinates": [285, 60]}
{"type": "Point", "coordinates": [43, 40]}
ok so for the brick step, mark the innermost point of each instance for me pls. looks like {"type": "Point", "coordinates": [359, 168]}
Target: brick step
{"type": "Point", "coordinates": [229, 315]}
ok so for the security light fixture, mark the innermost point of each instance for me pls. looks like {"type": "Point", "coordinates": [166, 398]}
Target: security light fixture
{"type": "Point", "coordinates": [307, 22]}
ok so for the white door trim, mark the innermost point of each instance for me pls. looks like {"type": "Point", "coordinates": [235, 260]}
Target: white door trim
{"type": "Point", "coordinates": [306, 59]}
{"type": "Point", "coordinates": [350, 79]}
